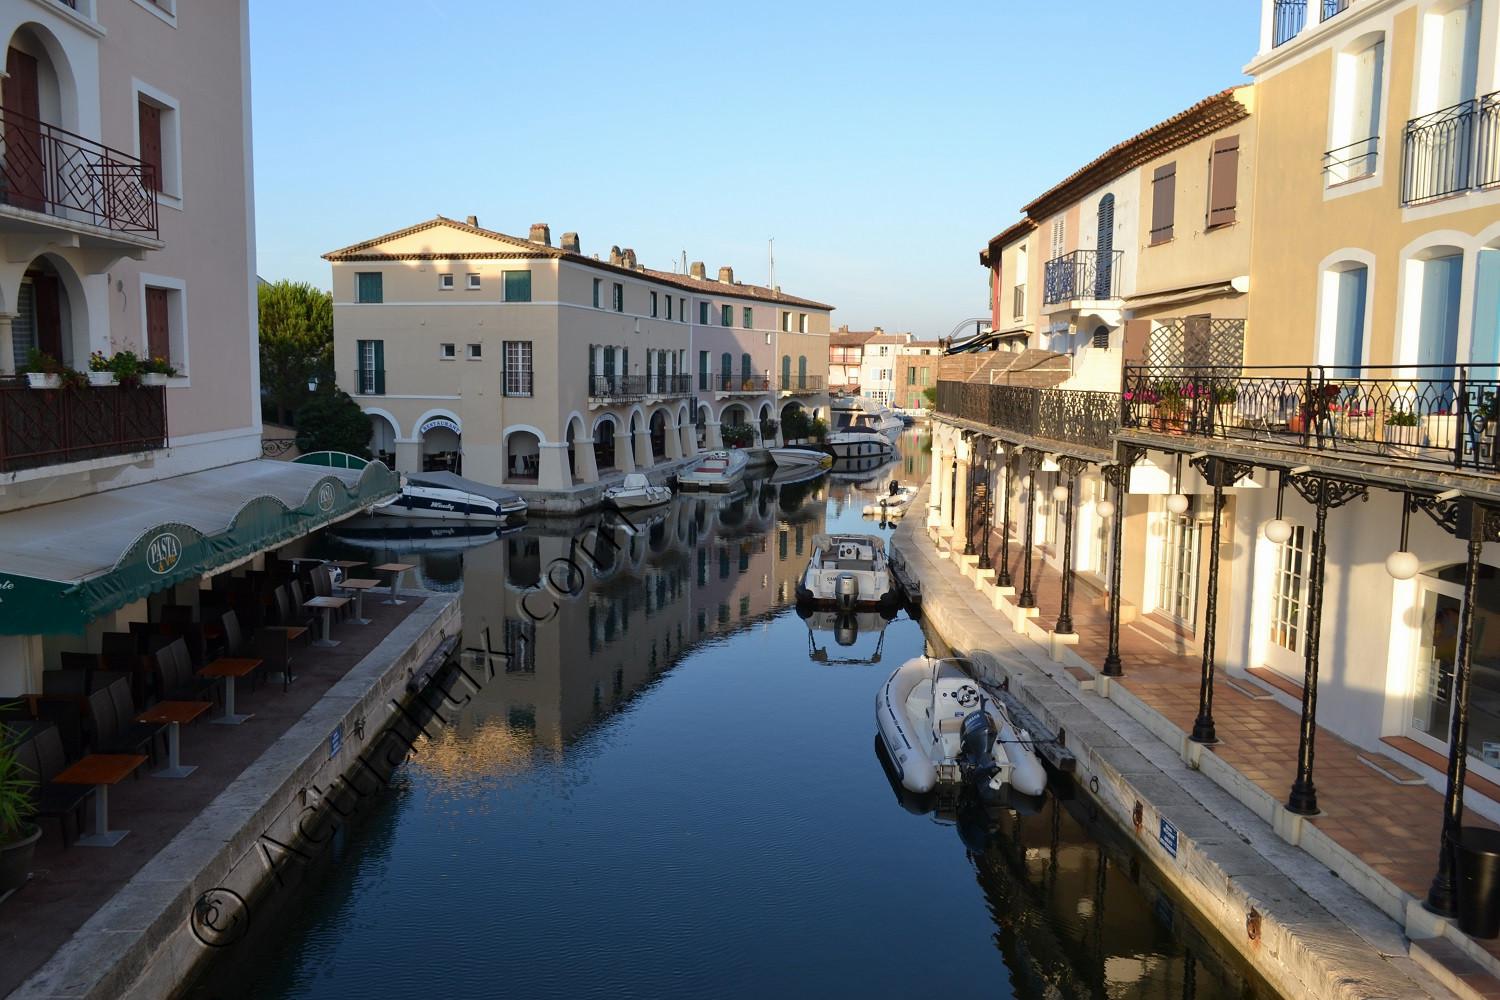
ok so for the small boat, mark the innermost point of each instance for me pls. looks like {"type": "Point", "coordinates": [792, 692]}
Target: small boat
{"type": "Point", "coordinates": [412, 536]}
{"type": "Point", "coordinates": [940, 728]}
{"type": "Point", "coordinates": [447, 496]}
{"type": "Point", "coordinates": [849, 412]}
{"type": "Point", "coordinates": [637, 492]}
{"type": "Point", "coordinates": [800, 458]}
{"type": "Point", "coordinates": [893, 504]}
{"type": "Point", "coordinates": [849, 573]}
{"type": "Point", "coordinates": [860, 444]}
{"type": "Point", "coordinates": [717, 471]}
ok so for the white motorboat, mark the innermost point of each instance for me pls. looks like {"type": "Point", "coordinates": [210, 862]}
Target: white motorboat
{"type": "Point", "coordinates": [801, 458]}
{"type": "Point", "coordinates": [637, 492]}
{"type": "Point", "coordinates": [412, 536]}
{"type": "Point", "coordinates": [450, 497]}
{"type": "Point", "coordinates": [861, 439]}
{"type": "Point", "coordinates": [939, 727]}
{"type": "Point", "coordinates": [716, 471]}
{"type": "Point", "coordinates": [849, 412]}
{"type": "Point", "coordinates": [893, 504]}
{"type": "Point", "coordinates": [849, 573]}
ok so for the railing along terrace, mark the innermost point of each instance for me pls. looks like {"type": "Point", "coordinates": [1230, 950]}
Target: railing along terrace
{"type": "Point", "coordinates": [802, 383]}
{"type": "Point", "coordinates": [741, 383]}
{"type": "Point", "coordinates": [1288, 17]}
{"type": "Point", "coordinates": [1487, 155]}
{"type": "Point", "coordinates": [1082, 274]}
{"type": "Point", "coordinates": [48, 169]}
{"type": "Point", "coordinates": [1351, 162]}
{"type": "Point", "coordinates": [1069, 416]}
{"type": "Point", "coordinates": [1436, 414]}
{"type": "Point", "coordinates": [668, 385]}
{"type": "Point", "coordinates": [1438, 153]}
{"type": "Point", "coordinates": [635, 386]}
{"type": "Point", "coordinates": [1332, 8]}
{"type": "Point", "coordinates": [40, 427]}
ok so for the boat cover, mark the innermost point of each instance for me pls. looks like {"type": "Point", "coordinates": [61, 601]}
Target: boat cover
{"type": "Point", "coordinates": [448, 481]}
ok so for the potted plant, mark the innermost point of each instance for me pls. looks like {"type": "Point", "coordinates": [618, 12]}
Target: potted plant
{"type": "Point", "coordinates": [127, 368]}
{"type": "Point", "coordinates": [738, 436]}
{"type": "Point", "coordinates": [100, 372]}
{"type": "Point", "coordinates": [156, 371]}
{"type": "Point", "coordinates": [18, 835]}
{"type": "Point", "coordinates": [43, 371]}
{"type": "Point", "coordinates": [1401, 430]}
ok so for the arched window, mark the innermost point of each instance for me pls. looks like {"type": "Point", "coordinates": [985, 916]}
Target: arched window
{"type": "Point", "coordinates": [1347, 288]}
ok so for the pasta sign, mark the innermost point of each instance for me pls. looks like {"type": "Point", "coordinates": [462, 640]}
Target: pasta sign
{"type": "Point", "coordinates": [163, 553]}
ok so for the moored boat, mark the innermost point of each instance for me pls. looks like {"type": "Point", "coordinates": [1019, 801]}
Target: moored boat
{"type": "Point", "coordinates": [800, 458]}
{"type": "Point", "coordinates": [860, 441]}
{"type": "Point", "coordinates": [716, 471]}
{"type": "Point", "coordinates": [848, 572]}
{"type": "Point", "coordinates": [849, 412]}
{"type": "Point", "coordinates": [637, 492]}
{"type": "Point", "coordinates": [893, 504]}
{"type": "Point", "coordinates": [449, 497]}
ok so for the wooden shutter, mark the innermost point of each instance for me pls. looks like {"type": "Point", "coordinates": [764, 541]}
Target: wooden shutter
{"type": "Point", "coordinates": [1163, 202]}
{"type": "Point", "coordinates": [23, 138]}
{"type": "Point", "coordinates": [380, 368]}
{"type": "Point", "coordinates": [48, 315]}
{"type": "Point", "coordinates": [150, 116]}
{"type": "Point", "coordinates": [1223, 181]}
{"type": "Point", "coordinates": [158, 326]}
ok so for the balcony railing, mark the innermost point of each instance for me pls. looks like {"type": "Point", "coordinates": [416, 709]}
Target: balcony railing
{"type": "Point", "coordinates": [1082, 274]}
{"type": "Point", "coordinates": [1438, 151]}
{"type": "Point", "coordinates": [48, 169]}
{"type": "Point", "coordinates": [1068, 416]}
{"type": "Point", "coordinates": [1332, 8]}
{"type": "Point", "coordinates": [1487, 156]}
{"type": "Point", "coordinates": [369, 382]}
{"type": "Point", "coordinates": [638, 386]}
{"type": "Point", "coordinates": [1351, 162]}
{"type": "Point", "coordinates": [1414, 414]}
{"type": "Point", "coordinates": [1288, 18]}
{"type": "Point", "coordinates": [751, 384]}
{"type": "Point", "coordinates": [802, 384]}
{"type": "Point", "coordinates": [41, 427]}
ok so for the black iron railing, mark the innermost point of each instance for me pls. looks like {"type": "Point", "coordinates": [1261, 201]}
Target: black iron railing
{"type": "Point", "coordinates": [41, 427]}
{"type": "Point", "coordinates": [369, 381]}
{"type": "Point", "coordinates": [1487, 154]}
{"type": "Point", "coordinates": [802, 383]}
{"type": "Point", "coordinates": [48, 169]}
{"type": "Point", "coordinates": [638, 386]}
{"type": "Point", "coordinates": [1332, 8]}
{"type": "Point", "coordinates": [1351, 162]}
{"type": "Point", "coordinates": [1068, 416]}
{"type": "Point", "coordinates": [1438, 153]}
{"type": "Point", "coordinates": [1287, 19]}
{"type": "Point", "coordinates": [1082, 274]}
{"type": "Point", "coordinates": [740, 383]}
{"type": "Point", "coordinates": [1422, 414]}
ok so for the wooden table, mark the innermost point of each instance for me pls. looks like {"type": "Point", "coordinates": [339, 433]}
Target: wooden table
{"type": "Point", "coordinates": [174, 714]}
{"type": "Point", "coordinates": [101, 770]}
{"type": "Point", "coordinates": [327, 605]}
{"type": "Point", "coordinates": [345, 563]}
{"type": "Point", "coordinates": [292, 631]}
{"type": "Point", "coordinates": [359, 585]}
{"type": "Point", "coordinates": [395, 569]}
{"type": "Point", "coordinates": [229, 668]}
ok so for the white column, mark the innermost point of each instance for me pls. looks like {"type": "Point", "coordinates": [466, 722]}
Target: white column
{"type": "Point", "coordinates": [688, 432]}
{"type": "Point", "coordinates": [583, 460]}
{"type": "Point", "coordinates": [7, 347]}
{"type": "Point", "coordinates": [552, 467]}
{"type": "Point", "coordinates": [712, 438]}
{"type": "Point", "coordinates": [624, 453]}
{"type": "Point", "coordinates": [673, 443]}
{"type": "Point", "coordinates": [643, 449]}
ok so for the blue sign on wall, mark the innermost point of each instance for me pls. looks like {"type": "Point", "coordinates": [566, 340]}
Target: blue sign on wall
{"type": "Point", "coordinates": [336, 741]}
{"type": "Point", "coordinates": [1168, 837]}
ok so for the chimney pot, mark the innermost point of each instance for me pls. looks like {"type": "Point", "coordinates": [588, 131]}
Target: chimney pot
{"type": "Point", "coordinates": [570, 242]}
{"type": "Point", "coordinates": [541, 233]}
{"type": "Point", "coordinates": [726, 275]}
{"type": "Point", "coordinates": [629, 258]}
{"type": "Point", "coordinates": [614, 256]}
{"type": "Point", "coordinates": [472, 220]}
{"type": "Point", "coordinates": [697, 270]}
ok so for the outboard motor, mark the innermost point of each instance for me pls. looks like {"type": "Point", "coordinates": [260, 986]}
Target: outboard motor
{"type": "Point", "coordinates": [845, 630]}
{"type": "Point", "coordinates": [845, 591]}
{"type": "Point", "coordinates": [976, 740]}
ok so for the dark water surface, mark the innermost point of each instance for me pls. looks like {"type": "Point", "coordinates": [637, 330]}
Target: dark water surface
{"type": "Point", "coordinates": [670, 788]}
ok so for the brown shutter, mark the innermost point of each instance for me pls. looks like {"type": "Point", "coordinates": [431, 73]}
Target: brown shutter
{"type": "Point", "coordinates": [158, 327]}
{"type": "Point", "coordinates": [1137, 335]}
{"type": "Point", "coordinates": [151, 143]}
{"type": "Point", "coordinates": [23, 138]}
{"type": "Point", "coordinates": [1163, 202]}
{"type": "Point", "coordinates": [1223, 181]}
{"type": "Point", "coordinates": [48, 315]}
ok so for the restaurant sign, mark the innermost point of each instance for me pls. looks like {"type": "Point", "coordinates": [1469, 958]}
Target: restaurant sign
{"type": "Point", "coordinates": [437, 423]}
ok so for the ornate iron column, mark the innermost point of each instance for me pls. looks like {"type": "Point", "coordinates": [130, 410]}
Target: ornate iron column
{"type": "Point", "coordinates": [1118, 475]}
{"type": "Point", "coordinates": [1324, 494]}
{"type": "Point", "coordinates": [1219, 473]}
{"type": "Point", "coordinates": [969, 469]}
{"type": "Point", "coordinates": [1027, 598]}
{"type": "Point", "coordinates": [953, 492]}
{"type": "Point", "coordinates": [1012, 462]}
{"type": "Point", "coordinates": [1070, 467]}
{"type": "Point", "coordinates": [1477, 525]}
{"type": "Point", "coordinates": [985, 497]}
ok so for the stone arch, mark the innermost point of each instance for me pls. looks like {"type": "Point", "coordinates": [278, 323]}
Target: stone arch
{"type": "Point", "coordinates": [605, 430]}
{"type": "Point", "coordinates": [57, 84]}
{"type": "Point", "coordinates": [522, 448]}
{"type": "Point", "coordinates": [62, 331]}
{"type": "Point", "coordinates": [385, 432]}
{"type": "Point", "coordinates": [581, 464]}
{"type": "Point", "coordinates": [656, 429]}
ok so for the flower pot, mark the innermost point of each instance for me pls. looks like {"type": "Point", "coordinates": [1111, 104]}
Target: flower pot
{"type": "Point", "coordinates": [153, 378]}
{"type": "Point", "coordinates": [41, 380]}
{"type": "Point", "coordinates": [15, 860]}
{"type": "Point", "coordinates": [1401, 440]}
{"type": "Point", "coordinates": [102, 378]}
{"type": "Point", "coordinates": [1440, 431]}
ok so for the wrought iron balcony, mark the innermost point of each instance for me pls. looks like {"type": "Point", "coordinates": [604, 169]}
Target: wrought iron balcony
{"type": "Point", "coordinates": [1351, 162]}
{"type": "Point", "coordinates": [41, 427]}
{"type": "Point", "coordinates": [1332, 8]}
{"type": "Point", "coordinates": [48, 169]}
{"type": "Point", "coordinates": [1487, 156]}
{"type": "Point", "coordinates": [744, 385]}
{"type": "Point", "coordinates": [369, 382]}
{"type": "Point", "coordinates": [1438, 153]}
{"type": "Point", "coordinates": [625, 387]}
{"type": "Point", "coordinates": [802, 384]}
{"type": "Point", "coordinates": [1287, 20]}
{"type": "Point", "coordinates": [1082, 274]}
{"type": "Point", "coordinates": [1066, 416]}
{"type": "Point", "coordinates": [1412, 414]}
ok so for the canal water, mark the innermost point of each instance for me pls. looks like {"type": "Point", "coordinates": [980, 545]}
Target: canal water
{"type": "Point", "coordinates": [670, 788]}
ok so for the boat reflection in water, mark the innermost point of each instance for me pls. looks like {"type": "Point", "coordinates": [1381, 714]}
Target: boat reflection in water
{"type": "Point", "coordinates": [846, 627]}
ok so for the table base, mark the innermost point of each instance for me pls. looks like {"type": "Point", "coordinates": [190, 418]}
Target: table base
{"type": "Point", "coordinates": [325, 643]}
{"type": "Point", "coordinates": [109, 838]}
{"type": "Point", "coordinates": [231, 720]}
{"type": "Point", "coordinates": [179, 771]}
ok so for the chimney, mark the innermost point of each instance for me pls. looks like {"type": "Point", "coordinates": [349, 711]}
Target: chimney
{"type": "Point", "coordinates": [697, 270]}
{"type": "Point", "coordinates": [726, 275]}
{"type": "Point", "coordinates": [472, 220]}
{"type": "Point", "coordinates": [614, 256]}
{"type": "Point", "coordinates": [541, 233]}
{"type": "Point", "coordinates": [628, 259]}
{"type": "Point", "coordinates": [570, 243]}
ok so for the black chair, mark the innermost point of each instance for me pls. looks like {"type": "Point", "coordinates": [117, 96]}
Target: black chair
{"type": "Point", "coordinates": [175, 680]}
{"type": "Point", "coordinates": [274, 649]}
{"type": "Point", "coordinates": [43, 756]}
{"type": "Point", "coordinates": [125, 713]}
{"type": "Point", "coordinates": [108, 736]}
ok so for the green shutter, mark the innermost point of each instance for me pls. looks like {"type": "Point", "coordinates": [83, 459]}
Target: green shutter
{"type": "Point", "coordinates": [367, 286]}
{"type": "Point", "coordinates": [748, 317]}
{"type": "Point", "coordinates": [517, 286]}
{"type": "Point", "coordinates": [380, 368]}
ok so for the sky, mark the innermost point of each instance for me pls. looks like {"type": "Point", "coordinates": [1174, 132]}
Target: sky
{"type": "Point", "coordinates": [880, 145]}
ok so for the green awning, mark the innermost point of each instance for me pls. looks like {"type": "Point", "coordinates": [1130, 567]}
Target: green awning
{"type": "Point", "coordinates": [64, 564]}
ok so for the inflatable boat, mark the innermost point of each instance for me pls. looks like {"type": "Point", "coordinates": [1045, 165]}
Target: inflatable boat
{"type": "Point", "coordinates": [940, 728]}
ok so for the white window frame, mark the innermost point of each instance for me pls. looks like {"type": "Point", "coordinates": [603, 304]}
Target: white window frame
{"type": "Point", "coordinates": [507, 368]}
{"type": "Point", "coordinates": [171, 194]}
{"type": "Point", "coordinates": [177, 314]}
{"type": "Point", "coordinates": [473, 282]}
{"type": "Point", "coordinates": [164, 9]}
{"type": "Point", "coordinates": [1284, 576]}
{"type": "Point", "coordinates": [474, 352]}
{"type": "Point", "coordinates": [1168, 576]}
{"type": "Point", "coordinates": [445, 282]}
{"type": "Point", "coordinates": [448, 352]}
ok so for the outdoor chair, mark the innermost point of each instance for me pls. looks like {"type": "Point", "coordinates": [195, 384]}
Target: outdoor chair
{"type": "Point", "coordinates": [175, 680]}
{"type": "Point", "coordinates": [274, 649]}
{"type": "Point", "coordinates": [107, 735]}
{"type": "Point", "coordinates": [125, 713]}
{"type": "Point", "coordinates": [292, 615]}
{"type": "Point", "coordinates": [43, 755]}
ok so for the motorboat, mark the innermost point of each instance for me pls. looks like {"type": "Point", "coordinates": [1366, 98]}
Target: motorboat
{"type": "Point", "coordinates": [849, 573]}
{"type": "Point", "coordinates": [637, 492]}
{"type": "Point", "coordinates": [893, 504]}
{"type": "Point", "coordinates": [846, 627]}
{"type": "Point", "coordinates": [801, 458]}
{"type": "Point", "coordinates": [412, 535]}
{"type": "Point", "coordinates": [448, 496]}
{"type": "Point", "coordinates": [851, 411]}
{"type": "Point", "coordinates": [862, 473]}
{"type": "Point", "coordinates": [861, 438]}
{"type": "Point", "coordinates": [940, 728]}
{"type": "Point", "coordinates": [716, 471]}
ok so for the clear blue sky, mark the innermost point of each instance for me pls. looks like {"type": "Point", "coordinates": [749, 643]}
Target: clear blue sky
{"type": "Point", "coordinates": [880, 144]}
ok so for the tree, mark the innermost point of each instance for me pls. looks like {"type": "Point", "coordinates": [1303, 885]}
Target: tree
{"type": "Point", "coordinates": [930, 394]}
{"type": "Point", "coordinates": [296, 344]}
{"type": "Point", "coordinates": [332, 421]}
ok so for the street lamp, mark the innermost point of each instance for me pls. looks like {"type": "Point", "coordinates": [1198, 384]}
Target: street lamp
{"type": "Point", "coordinates": [1105, 509]}
{"type": "Point", "coordinates": [1403, 563]}
{"type": "Point", "coordinates": [1278, 530]}
{"type": "Point", "coordinates": [1177, 503]}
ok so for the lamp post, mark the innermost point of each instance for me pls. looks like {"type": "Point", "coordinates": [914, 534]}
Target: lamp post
{"type": "Point", "coordinates": [1119, 476]}
{"type": "Point", "coordinates": [1070, 468]}
{"type": "Point", "coordinates": [1027, 598]}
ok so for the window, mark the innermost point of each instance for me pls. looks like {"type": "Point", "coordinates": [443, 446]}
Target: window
{"type": "Point", "coordinates": [726, 315]}
{"type": "Point", "coordinates": [367, 287]}
{"type": "Point", "coordinates": [682, 312]}
{"type": "Point", "coordinates": [517, 286]}
{"type": "Point", "coordinates": [702, 313]}
{"type": "Point", "coordinates": [726, 370]}
{"type": "Point", "coordinates": [1059, 232]}
{"type": "Point", "coordinates": [445, 282]}
{"type": "Point", "coordinates": [1101, 337]}
{"type": "Point", "coordinates": [911, 375]}
{"type": "Point", "coordinates": [1355, 139]}
{"type": "Point", "coordinates": [370, 375]}
{"type": "Point", "coordinates": [669, 307]}
{"type": "Point", "coordinates": [447, 351]}
{"type": "Point", "coordinates": [1177, 576]}
{"type": "Point", "coordinates": [159, 143]}
{"type": "Point", "coordinates": [746, 371]}
{"type": "Point", "coordinates": [1437, 332]}
{"type": "Point", "coordinates": [476, 352]}
{"type": "Point", "coordinates": [473, 282]}
{"type": "Point", "coordinates": [749, 314]}
{"type": "Point", "coordinates": [158, 324]}
{"type": "Point", "coordinates": [517, 359]}
{"type": "Point", "coordinates": [1289, 591]}
{"type": "Point", "coordinates": [802, 322]}
{"type": "Point", "coordinates": [884, 350]}
{"type": "Point", "coordinates": [1018, 301]}
{"type": "Point", "coordinates": [598, 284]}
{"type": "Point", "coordinates": [1349, 290]}
{"type": "Point", "coordinates": [1223, 180]}
{"type": "Point", "coordinates": [786, 322]}
{"type": "Point", "coordinates": [703, 370]}
{"type": "Point", "coordinates": [1163, 202]}
{"type": "Point", "coordinates": [619, 297]}
{"type": "Point", "coordinates": [653, 304]}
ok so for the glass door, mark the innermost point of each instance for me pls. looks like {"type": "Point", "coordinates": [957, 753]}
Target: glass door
{"type": "Point", "coordinates": [1440, 603]}
{"type": "Point", "coordinates": [1177, 577]}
